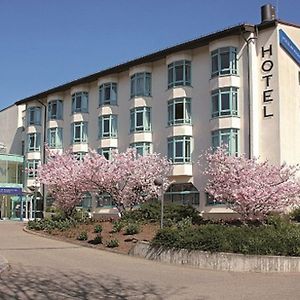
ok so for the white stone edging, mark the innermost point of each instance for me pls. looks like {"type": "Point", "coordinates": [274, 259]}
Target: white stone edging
{"type": "Point", "coordinates": [218, 261]}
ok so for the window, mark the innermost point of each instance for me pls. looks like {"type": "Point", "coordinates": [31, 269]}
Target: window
{"type": "Point", "coordinates": [140, 119]}
{"type": "Point", "coordinates": [32, 166]}
{"type": "Point", "coordinates": [34, 116]}
{"type": "Point", "coordinates": [86, 202]}
{"type": "Point", "coordinates": [210, 200]}
{"type": "Point", "coordinates": [142, 148]}
{"type": "Point", "coordinates": [224, 102]}
{"type": "Point", "coordinates": [179, 73]}
{"type": "Point", "coordinates": [80, 102]}
{"type": "Point", "coordinates": [107, 152]}
{"type": "Point", "coordinates": [104, 200]}
{"type": "Point", "coordinates": [79, 155]}
{"type": "Point", "coordinates": [179, 149]}
{"type": "Point", "coordinates": [228, 137]}
{"type": "Point", "coordinates": [182, 193]}
{"type": "Point", "coordinates": [140, 84]}
{"type": "Point", "coordinates": [108, 126]}
{"type": "Point", "coordinates": [33, 142]}
{"type": "Point", "coordinates": [79, 132]}
{"type": "Point", "coordinates": [108, 94]}
{"type": "Point", "coordinates": [55, 110]}
{"type": "Point", "coordinates": [179, 111]}
{"type": "Point", "coordinates": [55, 137]}
{"type": "Point", "coordinates": [223, 61]}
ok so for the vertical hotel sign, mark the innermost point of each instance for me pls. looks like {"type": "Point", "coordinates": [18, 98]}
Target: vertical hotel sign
{"type": "Point", "coordinates": [267, 70]}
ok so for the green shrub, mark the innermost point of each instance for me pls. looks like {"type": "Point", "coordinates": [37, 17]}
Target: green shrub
{"type": "Point", "coordinates": [82, 236]}
{"type": "Point", "coordinates": [151, 211]}
{"type": "Point", "coordinates": [112, 243]}
{"type": "Point", "coordinates": [97, 228]}
{"type": "Point", "coordinates": [295, 215]}
{"type": "Point", "coordinates": [117, 226]}
{"type": "Point", "coordinates": [97, 240]}
{"type": "Point", "coordinates": [132, 228]}
{"type": "Point", "coordinates": [51, 224]}
{"type": "Point", "coordinates": [278, 237]}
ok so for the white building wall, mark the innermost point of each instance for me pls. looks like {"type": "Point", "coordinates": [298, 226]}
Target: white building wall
{"type": "Point", "coordinates": [276, 137]}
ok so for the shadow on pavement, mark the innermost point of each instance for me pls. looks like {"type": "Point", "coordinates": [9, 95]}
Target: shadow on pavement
{"type": "Point", "coordinates": [31, 284]}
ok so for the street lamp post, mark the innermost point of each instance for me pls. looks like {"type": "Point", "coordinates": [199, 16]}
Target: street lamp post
{"type": "Point", "coordinates": [159, 182]}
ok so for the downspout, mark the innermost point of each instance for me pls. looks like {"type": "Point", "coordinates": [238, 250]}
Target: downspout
{"type": "Point", "coordinates": [252, 95]}
{"type": "Point", "coordinates": [44, 152]}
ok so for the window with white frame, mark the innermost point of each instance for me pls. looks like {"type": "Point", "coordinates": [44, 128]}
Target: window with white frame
{"type": "Point", "coordinates": [55, 137]}
{"type": "Point", "coordinates": [33, 142]}
{"type": "Point", "coordinates": [32, 166]}
{"type": "Point", "coordinates": [80, 102]}
{"type": "Point", "coordinates": [79, 155]}
{"type": "Point", "coordinates": [107, 152]}
{"type": "Point", "coordinates": [182, 193]}
{"type": "Point", "coordinates": [142, 148]}
{"type": "Point", "coordinates": [224, 61]}
{"type": "Point", "coordinates": [228, 137]}
{"type": "Point", "coordinates": [55, 110]}
{"type": "Point", "coordinates": [225, 102]}
{"type": "Point", "coordinates": [179, 111]}
{"type": "Point", "coordinates": [79, 132]}
{"type": "Point", "coordinates": [140, 84]}
{"type": "Point", "coordinates": [108, 126]}
{"type": "Point", "coordinates": [179, 73]}
{"type": "Point", "coordinates": [140, 119]}
{"type": "Point", "coordinates": [34, 116]}
{"type": "Point", "coordinates": [104, 200]}
{"type": "Point", "coordinates": [179, 149]}
{"type": "Point", "coordinates": [108, 94]}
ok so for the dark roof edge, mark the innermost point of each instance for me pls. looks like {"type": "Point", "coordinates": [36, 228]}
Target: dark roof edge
{"type": "Point", "coordinates": [10, 106]}
{"type": "Point", "coordinates": [275, 23]}
{"type": "Point", "coordinates": [144, 59]}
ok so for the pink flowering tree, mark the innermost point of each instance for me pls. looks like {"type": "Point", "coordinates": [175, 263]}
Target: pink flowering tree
{"type": "Point", "coordinates": [127, 177]}
{"type": "Point", "coordinates": [62, 175]}
{"type": "Point", "coordinates": [251, 187]}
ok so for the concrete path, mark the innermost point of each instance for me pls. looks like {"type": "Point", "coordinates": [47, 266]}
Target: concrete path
{"type": "Point", "coordinates": [41, 268]}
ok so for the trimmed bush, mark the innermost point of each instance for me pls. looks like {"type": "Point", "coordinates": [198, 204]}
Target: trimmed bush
{"type": "Point", "coordinates": [98, 228]}
{"type": "Point", "coordinates": [295, 215]}
{"type": "Point", "coordinates": [51, 224]}
{"type": "Point", "coordinates": [112, 243]}
{"type": "Point", "coordinates": [151, 212]}
{"type": "Point", "coordinates": [278, 237]}
{"type": "Point", "coordinates": [82, 236]}
{"type": "Point", "coordinates": [97, 240]}
{"type": "Point", "coordinates": [117, 226]}
{"type": "Point", "coordinates": [132, 228]}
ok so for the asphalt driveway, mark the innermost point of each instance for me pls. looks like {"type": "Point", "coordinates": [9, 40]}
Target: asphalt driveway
{"type": "Point", "coordinates": [41, 268]}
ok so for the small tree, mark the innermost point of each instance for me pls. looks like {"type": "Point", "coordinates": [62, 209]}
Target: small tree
{"type": "Point", "coordinates": [127, 177]}
{"type": "Point", "coordinates": [251, 187]}
{"type": "Point", "coordinates": [62, 175]}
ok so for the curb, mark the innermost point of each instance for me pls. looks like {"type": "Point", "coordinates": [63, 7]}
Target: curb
{"type": "Point", "coordinates": [218, 261]}
{"type": "Point", "coordinates": [73, 242]}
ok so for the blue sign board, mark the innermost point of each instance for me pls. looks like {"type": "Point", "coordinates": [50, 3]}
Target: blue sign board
{"type": "Point", "coordinates": [287, 44]}
{"type": "Point", "coordinates": [10, 191]}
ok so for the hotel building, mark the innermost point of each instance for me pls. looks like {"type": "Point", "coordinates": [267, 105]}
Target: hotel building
{"type": "Point", "coordinates": [239, 86]}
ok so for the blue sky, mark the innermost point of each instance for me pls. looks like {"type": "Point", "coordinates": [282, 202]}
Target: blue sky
{"type": "Point", "coordinates": [45, 43]}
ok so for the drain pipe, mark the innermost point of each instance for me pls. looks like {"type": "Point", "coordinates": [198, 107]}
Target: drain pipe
{"type": "Point", "coordinates": [253, 107]}
{"type": "Point", "coordinates": [44, 154]}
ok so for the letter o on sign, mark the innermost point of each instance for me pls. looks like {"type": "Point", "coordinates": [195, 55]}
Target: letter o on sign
{"type": "Point", "coordinates": [267, 65]}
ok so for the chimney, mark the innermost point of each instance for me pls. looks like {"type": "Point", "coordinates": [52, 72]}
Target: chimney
{"type": "Point", "coordinates": [268, 13]}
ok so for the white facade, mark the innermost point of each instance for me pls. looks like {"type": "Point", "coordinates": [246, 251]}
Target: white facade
{"type": "Point", "coordinates": [187, 111]}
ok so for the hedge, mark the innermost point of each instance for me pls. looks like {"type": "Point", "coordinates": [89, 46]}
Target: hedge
{"type": "Point", "coordinates": [278, 237]}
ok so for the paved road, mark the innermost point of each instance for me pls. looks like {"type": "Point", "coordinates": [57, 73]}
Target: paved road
{"type": "Point", "coordinates": [47, 269]}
